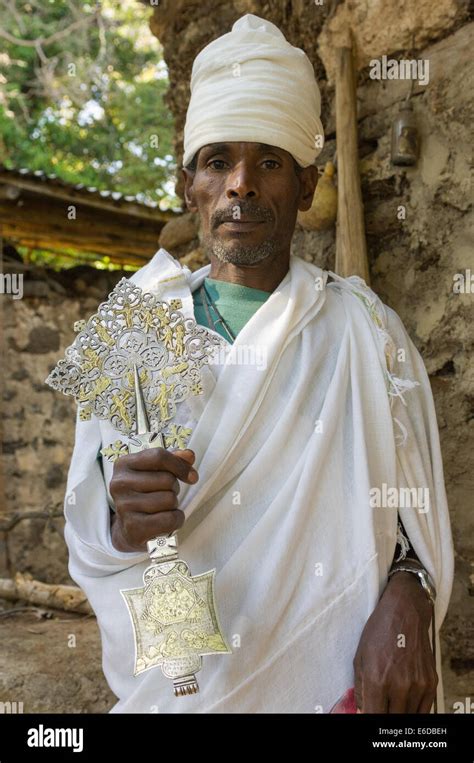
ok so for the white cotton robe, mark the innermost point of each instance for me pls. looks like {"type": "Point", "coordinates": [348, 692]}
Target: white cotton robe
{"type": "Point", "coordinates": [287, 456]}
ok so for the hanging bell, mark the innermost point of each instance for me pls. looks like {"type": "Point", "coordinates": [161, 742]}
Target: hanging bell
{"type": "Point", "coordinates": [405, 142]}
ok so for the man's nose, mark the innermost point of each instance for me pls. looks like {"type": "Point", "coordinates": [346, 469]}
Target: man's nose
{"type": "Point", "coordinates": [241, 182]}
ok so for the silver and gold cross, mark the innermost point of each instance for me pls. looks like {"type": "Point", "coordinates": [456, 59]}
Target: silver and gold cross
{"type": "Point", "coordinates": [132, 363]}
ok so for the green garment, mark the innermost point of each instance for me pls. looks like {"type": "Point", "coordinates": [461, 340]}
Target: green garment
{"type": "Point", "coordinates": [235, 303]}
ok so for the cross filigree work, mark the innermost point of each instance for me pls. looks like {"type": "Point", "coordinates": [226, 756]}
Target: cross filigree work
{"type": "Point", "coordinates": [134, 328]}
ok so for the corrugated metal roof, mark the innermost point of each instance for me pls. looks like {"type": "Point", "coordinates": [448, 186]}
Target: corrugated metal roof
{"type": "Point", "coordinates": [56, 181]}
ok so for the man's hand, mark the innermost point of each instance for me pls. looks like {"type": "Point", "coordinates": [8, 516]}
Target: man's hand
{"type": "Point", "coordinates": [145, 490]}
{"type": "Point", "coordinates": [394, 667]}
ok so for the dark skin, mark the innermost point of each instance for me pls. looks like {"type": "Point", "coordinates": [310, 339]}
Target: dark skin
{"type": "Point", "coordinates": [261, 177]}
{"type": "Point", "coordinates": [262, 184]}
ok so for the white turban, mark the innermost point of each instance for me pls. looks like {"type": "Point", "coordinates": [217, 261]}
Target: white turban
{"type": "Point", "coordinates": [252, 85]}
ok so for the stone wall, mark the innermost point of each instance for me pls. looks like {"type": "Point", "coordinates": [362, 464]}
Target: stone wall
{"type": "Point", "coordinates": [38, 423]}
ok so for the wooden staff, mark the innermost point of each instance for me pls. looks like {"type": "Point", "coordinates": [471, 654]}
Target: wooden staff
{"type": "Point", "coordinates": [351, 247]}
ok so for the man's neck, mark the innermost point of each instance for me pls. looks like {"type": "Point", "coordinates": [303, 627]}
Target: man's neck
{"type": "Point", "coordinates": [266, 275]}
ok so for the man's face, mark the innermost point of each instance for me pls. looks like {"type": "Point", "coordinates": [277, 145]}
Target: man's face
{"type": "Point", "coordinates": [248, 196]}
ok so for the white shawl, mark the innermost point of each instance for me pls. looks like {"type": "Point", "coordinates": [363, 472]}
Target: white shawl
{"type": "Point", "coordinates": [287, 457]}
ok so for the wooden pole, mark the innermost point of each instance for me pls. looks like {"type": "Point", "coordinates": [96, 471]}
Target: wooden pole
{"type": "Point", "coordinates": [65, 597]}
{"type": "Point", "coordinates": [351, 247]}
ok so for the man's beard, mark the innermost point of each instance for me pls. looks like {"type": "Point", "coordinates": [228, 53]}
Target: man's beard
{"type": "Point", "coordinates": [239, 254]}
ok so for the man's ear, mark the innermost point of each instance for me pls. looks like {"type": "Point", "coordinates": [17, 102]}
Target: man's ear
{"type": "Point", "coordinates": [309, 177]}
{"type": "Point", "coordinates": [188, 177]}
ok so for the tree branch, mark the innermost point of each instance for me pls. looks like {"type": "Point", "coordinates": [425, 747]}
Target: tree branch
{"type": "Point", "coordinates": [53, 37]}
{"type": "Point", "coordinates": [10, 523]}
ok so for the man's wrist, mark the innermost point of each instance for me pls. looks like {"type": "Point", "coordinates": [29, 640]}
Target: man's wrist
{"type": "Point", "coordinates": [415, 568]}
{"type": "Point", "coordinates": [406, 584]}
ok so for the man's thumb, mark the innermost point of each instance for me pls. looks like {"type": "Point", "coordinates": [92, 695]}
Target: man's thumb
{"type": "Point", "coordinates": [187, 455]}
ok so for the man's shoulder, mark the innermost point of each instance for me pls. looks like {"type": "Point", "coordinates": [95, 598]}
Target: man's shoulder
{"type": "Point", "coordinates": [360, 304]}
{"type": "Point", "coordinates": [359, 299]}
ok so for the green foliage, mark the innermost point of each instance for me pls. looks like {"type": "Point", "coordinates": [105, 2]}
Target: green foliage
{"type": "Point", "coordinates": [88, 105]}
{"type": "Point", "coordinates": [69, 258]}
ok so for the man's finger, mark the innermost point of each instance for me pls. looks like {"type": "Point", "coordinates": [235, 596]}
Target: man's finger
{"type": "Point", "coordinates": [151, 482]}
{"type": "Point", "coordinates": [414, 698]}
{"type": "Point", "coordinates": [358, 693]}
{"type": "Point", "coordinates": [426, 702]}
{"type": "Point", "coordinates": [148, 526]}
{"type": "Point", "coordinates": [374, 698]}
{"type": "Point", "coordinates": [186, 454]}
{"type": "Point", "coordinates": [160, 459]}
{"type": "Point", "coordinates": [358, 681]}
{"type": "Point", "coordinates": [149, 503]}
{"type": "Point", "coordinates": [398, 701]}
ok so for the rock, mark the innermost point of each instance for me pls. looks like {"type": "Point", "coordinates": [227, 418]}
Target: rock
{"type": "Point", "coordinates": [54, 476]}
{"type": "Point", "coordinates": [35, 288]}
{"type": "Point", "coordinates": [179, 231]}
{"type": "Point", "coordinates": [42, 339]}
{"type": "Point", "coordinates": [380, 28]}
{"type": "Point", "coordinates": [80, 285]}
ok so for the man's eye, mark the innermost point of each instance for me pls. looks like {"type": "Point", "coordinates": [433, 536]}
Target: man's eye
{"type": "Point", "coordinates": [216, 161]}
{"type": "Point", "coordinates": [272, 162]}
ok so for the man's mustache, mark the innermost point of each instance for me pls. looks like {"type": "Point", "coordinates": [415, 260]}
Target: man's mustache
{"type": "Point", "coordinates": [246, 212]}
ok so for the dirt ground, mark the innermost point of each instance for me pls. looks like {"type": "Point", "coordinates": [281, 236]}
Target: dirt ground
{"type": "Point", "coordinates": [52, 665]}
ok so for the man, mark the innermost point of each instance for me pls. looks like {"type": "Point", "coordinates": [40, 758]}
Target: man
{"type": "Point", "coordinates": [282, 485]}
